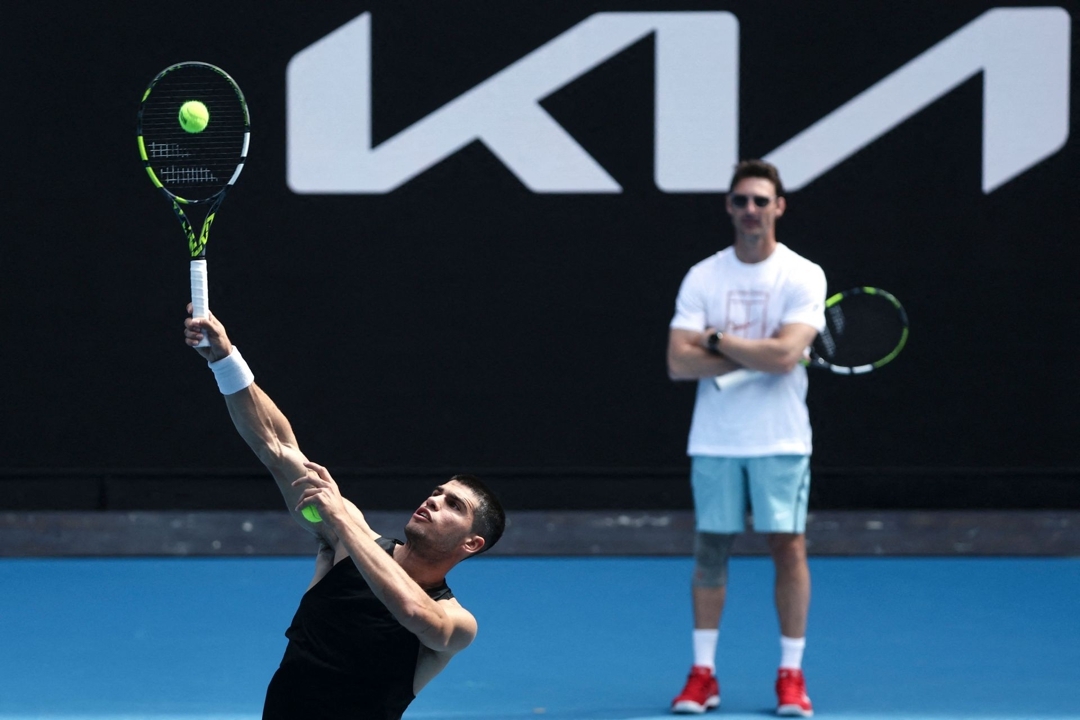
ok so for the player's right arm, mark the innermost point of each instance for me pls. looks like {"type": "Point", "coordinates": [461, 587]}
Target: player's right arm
{"type": "Point", "coordinates": [260, 423]}
{"type": "Point", "coordinates": [688, 355]}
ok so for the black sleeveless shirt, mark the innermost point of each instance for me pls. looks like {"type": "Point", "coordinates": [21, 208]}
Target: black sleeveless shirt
{"type": "Point", "coordinates": [347, 657]}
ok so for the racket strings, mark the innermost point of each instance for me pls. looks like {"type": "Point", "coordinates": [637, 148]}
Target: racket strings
{"type": "Point", "coordinates": [194, 166]}
{"type": "Point", "coordinates": [860, 330]}
{"type": "Point", "coordinates": [826, 344]}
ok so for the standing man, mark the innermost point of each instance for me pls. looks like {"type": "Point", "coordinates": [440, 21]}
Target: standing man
{"type": "Point", "coordinates": [759, 305]}
{"type": "Point", "coordinates": [378, 621]}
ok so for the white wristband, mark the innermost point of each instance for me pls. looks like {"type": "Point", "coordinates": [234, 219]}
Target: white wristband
{"type": "Point", "coordinates": [232, 372]}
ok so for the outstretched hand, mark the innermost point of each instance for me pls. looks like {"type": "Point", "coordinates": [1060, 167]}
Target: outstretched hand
{"type": "Point", "coordinates": [211, 328]}
{"type": "Point", "coordinates": [321, 492]}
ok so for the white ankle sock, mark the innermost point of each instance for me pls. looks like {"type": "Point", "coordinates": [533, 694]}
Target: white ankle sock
{"type": "Point", "coordinates": [791, 652]}
{"type": "Point", "coordinates": [705, 647]}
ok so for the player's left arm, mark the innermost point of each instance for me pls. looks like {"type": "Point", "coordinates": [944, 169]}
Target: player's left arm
{"type": "Point", "coordinates": [442, 626]}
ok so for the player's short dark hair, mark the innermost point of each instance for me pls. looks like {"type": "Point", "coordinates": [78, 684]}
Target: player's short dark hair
{"type": "Point", "coordinates": [758, 169]}
{"type": "Point", "coordinates": [489, 519]}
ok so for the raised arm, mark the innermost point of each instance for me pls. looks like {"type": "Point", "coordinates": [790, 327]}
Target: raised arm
{"type": "Point", "coordinates": [258, 420]}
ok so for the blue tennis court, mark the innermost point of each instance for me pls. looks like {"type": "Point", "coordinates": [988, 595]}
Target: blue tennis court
{"type": "Point", "coordinates": [573, 639]}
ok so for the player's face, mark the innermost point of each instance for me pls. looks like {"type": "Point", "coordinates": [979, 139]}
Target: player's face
{"type": "Point", "coordinates": [754, 207]}
{"type": "Point", "coordinates": [445, 518]}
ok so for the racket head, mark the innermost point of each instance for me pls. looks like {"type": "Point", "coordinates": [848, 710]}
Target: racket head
{"type": "Point", "coordinates": [193, 167]}
{"type": "Point", "coordinates": [865, 328]}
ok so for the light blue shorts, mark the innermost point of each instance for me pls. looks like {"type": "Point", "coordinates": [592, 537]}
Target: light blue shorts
{"type": "Point", "coordinates": [776, 486]}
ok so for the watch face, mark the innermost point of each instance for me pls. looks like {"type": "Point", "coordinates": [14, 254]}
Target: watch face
{"type": "Point", "coordinates": [714, 340]}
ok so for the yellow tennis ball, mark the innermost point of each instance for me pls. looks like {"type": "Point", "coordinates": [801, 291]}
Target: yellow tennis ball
{"type": "Point", "coordinates": [311, 514]}
{"type": "Point", "coordinates": [194, 116]}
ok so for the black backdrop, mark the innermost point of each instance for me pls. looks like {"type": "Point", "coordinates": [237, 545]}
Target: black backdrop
{"type": "Point", "coordinates": [463, 322]}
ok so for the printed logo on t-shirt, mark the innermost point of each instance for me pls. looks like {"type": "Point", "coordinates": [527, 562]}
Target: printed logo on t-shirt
{"type": "Point", "coordinates": [747, 313]}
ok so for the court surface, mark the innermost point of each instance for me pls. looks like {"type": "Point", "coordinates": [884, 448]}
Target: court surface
{"type": "Point", "coordinates": [560, 638]}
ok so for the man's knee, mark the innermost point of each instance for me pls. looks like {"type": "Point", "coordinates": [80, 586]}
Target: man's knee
{"type": "Point", "coordinates": [711, 551]}
{"type": "Point", "coordinates": [787, 548]}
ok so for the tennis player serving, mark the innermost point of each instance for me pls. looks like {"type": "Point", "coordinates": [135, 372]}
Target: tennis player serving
{"type": "Point", "coordinates": [378, 621]}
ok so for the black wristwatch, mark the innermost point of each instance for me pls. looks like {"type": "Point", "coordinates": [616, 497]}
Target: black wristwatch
{"type": "Point", "coordinates": [712, 343]}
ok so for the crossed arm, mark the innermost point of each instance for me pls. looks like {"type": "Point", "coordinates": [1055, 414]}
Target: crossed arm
{"type": "Point", "coordinates": [688, 358]}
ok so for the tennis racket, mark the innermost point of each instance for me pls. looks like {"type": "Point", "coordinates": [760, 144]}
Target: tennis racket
{"type": "Point", "coordinates": [193, 131]}
{"type": "Point", "coordinates": [865, 328]}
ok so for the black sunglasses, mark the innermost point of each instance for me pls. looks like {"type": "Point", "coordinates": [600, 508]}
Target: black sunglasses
{"type": "Point", "coordinates": [741, 201]}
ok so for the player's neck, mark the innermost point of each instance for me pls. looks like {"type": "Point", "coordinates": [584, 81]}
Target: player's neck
{"type": "Point", "coordinates": [428, 572]}
{"type": "Point", "coordinates": [754, 248]}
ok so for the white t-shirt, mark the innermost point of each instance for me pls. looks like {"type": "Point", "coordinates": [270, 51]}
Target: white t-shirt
{"type": "Point", "coordinates": [766, 415]}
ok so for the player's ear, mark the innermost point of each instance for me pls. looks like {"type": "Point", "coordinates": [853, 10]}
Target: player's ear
{"type": "Point", "coordinates": [474, 544]}
{"type": "Point", "coordinates": [781, 205]}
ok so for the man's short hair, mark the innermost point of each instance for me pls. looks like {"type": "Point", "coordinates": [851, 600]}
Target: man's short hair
{"type": "Point", "coordinates": [489, 520]}
{"type": "Point", "coordinates": [757, 169]}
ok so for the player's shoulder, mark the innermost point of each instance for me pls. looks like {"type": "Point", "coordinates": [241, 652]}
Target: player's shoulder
{"type": "Point", "coordinates": [792, 256]}
{"type": "Point", "coordinates": [712, 263]}
{"type": "Point", "coordinates": [797, 261]}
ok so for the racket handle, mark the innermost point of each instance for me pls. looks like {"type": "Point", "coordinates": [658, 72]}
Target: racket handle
{"type": "Point", "coordinates": [200, 306]}
{"type": "Point", "coordinates": [734, 378]}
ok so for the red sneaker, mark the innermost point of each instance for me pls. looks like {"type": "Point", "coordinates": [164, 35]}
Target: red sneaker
{"type": "Point", "coordinates": [701, 692]}
{"type": "Point", "coordinates": [791, 694]}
